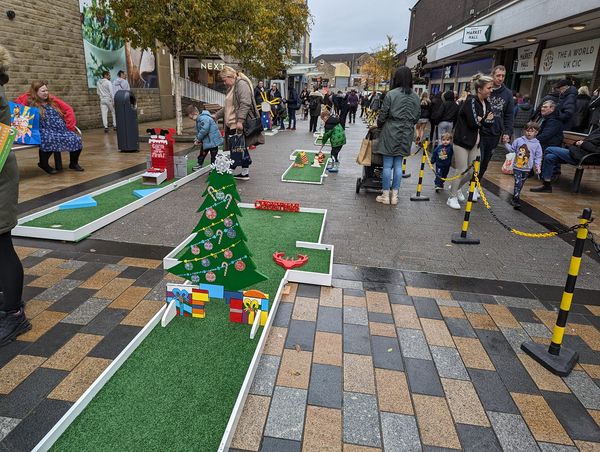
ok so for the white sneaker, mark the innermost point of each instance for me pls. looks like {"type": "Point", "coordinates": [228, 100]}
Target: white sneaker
{"type": "Point", "coordinates": [460, 195]}
{"type": "Point", "coordinates": [476, 194]}
{"type": "Point", "coordinates": [453, 203]}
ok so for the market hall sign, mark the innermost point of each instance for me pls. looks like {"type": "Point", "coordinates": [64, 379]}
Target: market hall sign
{"type": "Point", "coordinates": [526, 58]}
{"type": "Point", "coordinates": [477, 35]}
{"type": "Point", "coordinates": [570, 58]}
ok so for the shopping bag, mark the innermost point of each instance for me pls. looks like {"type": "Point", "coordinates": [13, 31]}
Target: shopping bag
{"type": "Point", "coordinates": [7, 136]}
{"type": "Point", "coordinates": [364, 154]}
{"type": "Point", "coordinates": [507, 166]}
{"type": "Point", "coordinates": [238, 151]}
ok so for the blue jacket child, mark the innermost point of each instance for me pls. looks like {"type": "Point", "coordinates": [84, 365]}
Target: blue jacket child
{"type": "Point", "coordinates": [207, 133]}
{"type": "Point", "coordinates": [442, 158]}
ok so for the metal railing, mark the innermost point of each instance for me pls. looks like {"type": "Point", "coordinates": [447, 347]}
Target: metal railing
{"type": "Point", "coordinates": [199, 92]}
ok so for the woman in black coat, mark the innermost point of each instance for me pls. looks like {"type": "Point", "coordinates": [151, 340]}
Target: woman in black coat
{"type": "Point", "coordinates": [581, 114]}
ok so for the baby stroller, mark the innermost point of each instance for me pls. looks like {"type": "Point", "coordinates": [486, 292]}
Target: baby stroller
{"type": "Point", "coordinates": [371, 175]}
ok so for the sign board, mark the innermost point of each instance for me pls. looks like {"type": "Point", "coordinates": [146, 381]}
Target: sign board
{"type": "Point", "coordinates": [570, 58]}
{"type": "Point", "coordinates": [212, 65]}
{"type": "Point", "coordinates": [477, 35]}
{"type": "Point", "coordinates": [525, 58]}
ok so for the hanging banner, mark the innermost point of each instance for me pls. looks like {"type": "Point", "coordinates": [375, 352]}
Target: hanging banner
{"type": "Point", "coordinates": [26, 121]}
{"type": "Point", "coordinates": [570, 58]}
{"type": "Point", "coordinates": [526, 58]}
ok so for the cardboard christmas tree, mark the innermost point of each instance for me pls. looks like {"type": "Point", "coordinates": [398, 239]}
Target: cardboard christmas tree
{"type": "Point", "coordinates": [218, 253]}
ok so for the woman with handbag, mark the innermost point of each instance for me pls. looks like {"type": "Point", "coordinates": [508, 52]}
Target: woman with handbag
{"type": "Point", "coordinates": [241, 120]}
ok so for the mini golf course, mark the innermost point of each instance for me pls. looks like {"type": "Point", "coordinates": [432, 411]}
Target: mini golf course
{"type": "Point", "coordinates": [307, 174]}
{"type": "Point", "coordinates": [113, 202]}
{"type": "Point", "coordinates": [179, 387]}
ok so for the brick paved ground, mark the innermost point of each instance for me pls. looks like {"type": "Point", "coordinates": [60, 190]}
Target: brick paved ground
{"type": "Point", "coordinates": [404, 368]}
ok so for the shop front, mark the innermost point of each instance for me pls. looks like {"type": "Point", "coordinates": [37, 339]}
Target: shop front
{"type": "Point", "coordinates": [524, 69]}
{"type": "Point", "coordinates": [468, 69]}
{"type": "Point", "coordinates": [204, 71]}
{"type": "Point", "coordinates": [575, 62]}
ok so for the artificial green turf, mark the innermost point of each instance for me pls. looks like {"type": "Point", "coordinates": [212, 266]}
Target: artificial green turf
{"type": "Point", "coordinates": [108, 202]}
{"type": "Point", "coordinates": [307, 173]}
{"type": "Point", "coordinates": [177, 390]}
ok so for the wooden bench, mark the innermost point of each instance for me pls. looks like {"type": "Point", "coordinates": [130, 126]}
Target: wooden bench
{"type": "Point", "coordinates": [588, 161]}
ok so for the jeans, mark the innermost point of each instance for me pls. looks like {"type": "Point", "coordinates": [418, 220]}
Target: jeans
{"type": "Point", "coordinates": [389, 162]}
{"type": "Point", "coordinates": [441, 172]}
{"type": "Point", "coordinates": [291, 118]}
{"type": "Point", "coordinates": [487, 144]}
{"type": "Point", "coordinates": [11, 276]}
{"type": "Point", "coordinates": [520, 178]}
{"type": "Point", "coordinates": [553, 157]}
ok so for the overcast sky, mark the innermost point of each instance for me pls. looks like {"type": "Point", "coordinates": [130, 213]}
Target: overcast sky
{"type": "Point", "coordinates": [344, 26]}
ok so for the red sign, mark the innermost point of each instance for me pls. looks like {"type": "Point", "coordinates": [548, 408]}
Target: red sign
{"type": "Point", "coordinates": [282, 206]}
{"type": "Point", "coordinates": [161, 150]}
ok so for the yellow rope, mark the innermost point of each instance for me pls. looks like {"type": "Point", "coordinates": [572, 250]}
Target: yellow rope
{"type": "Point", "coordinates": [447, 179]}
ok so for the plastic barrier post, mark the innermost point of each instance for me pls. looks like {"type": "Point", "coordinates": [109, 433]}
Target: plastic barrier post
{"type": "Point", "coordinates": [463, 238]}
{"type": "Point", "coordinates": [404, 173]}
{"type": "Point", "coordinates": [561, 360]}
{"type": "Point", "coordinates": [418, 196]}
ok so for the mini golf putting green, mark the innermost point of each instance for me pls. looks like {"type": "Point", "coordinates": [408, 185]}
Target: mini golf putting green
{"type": "Point", "coordinates": [108, 202]}
{"type": "Point", "coordinates": [178, 388]}
{"type": "Point", "coordinates": [306, 174]}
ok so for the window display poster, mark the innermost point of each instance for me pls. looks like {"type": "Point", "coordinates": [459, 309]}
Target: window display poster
{"type": "Point", "coordinates": [104, 53]}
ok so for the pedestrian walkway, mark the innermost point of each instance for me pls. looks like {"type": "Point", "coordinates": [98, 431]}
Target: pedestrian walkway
{"type": "Point", "coordinates": [379, 363]}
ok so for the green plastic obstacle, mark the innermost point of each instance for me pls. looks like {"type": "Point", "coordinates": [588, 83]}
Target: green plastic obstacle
{"type": "Point", "coordinates": [178, 389]}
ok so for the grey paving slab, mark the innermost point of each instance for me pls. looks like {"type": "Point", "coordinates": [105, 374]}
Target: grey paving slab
{"type": "Point", "coordinates": [397, 288]}
{"type": "Point", "coordinates": [492, 392]}
{"type": "Point", "coordinates": [549, 447]}
{"type": "Point", "coordinates": [283, 315]}
{"type": "Point", "coordinates": [422, 377]}
{"type": "Point", "coordinates": [536, 329]}
{"type": "Point", "coordinates": [277, 445]}
{"type": "Point", "coordinates": [354, 292]}
{"type": "Point", "coordinates": [444, 302]}
{"type": "Point", "coordinates": [400, 432]}
{"type": "Point", "coordinates": [448, 363]}
{"type": "Point", "coordinates": [513, 374]}
{"type": "Point", "coordinates": [302, 333]}
{"type": "Point", "coordinates": [512, 432]}
{"type": "Point", "coordinates": [86, 271]}
{"type": "Point", "coordinates": [427, 307]}
{"type": "Point", "coordinates": [59, 290]}
{"type": "Point", "coordinates": [584, 389]}
{"type": "Point", "coordinates": [308, 291]}
{"type": "Point", "coordinates": [573, 416]}
{"type": "Point", "coordinates": [356, 315]}
{"type": "Point", "coordinates": [87, 311]}
{"type": "Point", "coordinates": [104, 322]}
{"type": "Point", "coordinates": [477, 308]}
{"type": "Point", "coordinates": [386, 353]}
{"type": "Point", "coordinates": [347, 284]}
{"type": "Point", "coordinates": [413, 343]}
{"type": "Point", "coordinates": [326, 386]}
{"type": "Point", "coordinates": [73, 300]}
{"type": "Point", "coordinates": [515, 302]}
{"type": "Point", "coordinates": [115, 341]}
{"type": "Point", "coordinates": [356, 339]}
{"type": "Point", "coordinates": [474, 438]}
{"type": "Point", "coordinates": [361, 419]}
{"type": "Point", "coordinates": [494, 342]}
{"type": "Point", "coordinates": [6, 425]}
{"type": "Point", "coordinates": [400, 299]}
{"type": "Point", "coordinates": [329, 319]}
{"type": "Point", "coordinates": [460, 327]}
{"type": "Point", "coordinates": [72, 264]}
{"type": "Point", "coordinates": [286, 413]}
{"type": "Point", "coordinates": [41, 252]}
{"type": "Point", "coordinates": [265, 376]}
{"type": "Point", "coordinates": [515, 337]}
{"type": "Point", "coordinates": [380, 317]}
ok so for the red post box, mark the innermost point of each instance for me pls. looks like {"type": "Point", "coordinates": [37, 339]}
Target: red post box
{"type": "Point", "coordinates": [161, 150]}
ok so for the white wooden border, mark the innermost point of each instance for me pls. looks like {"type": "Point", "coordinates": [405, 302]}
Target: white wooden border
{"type": "Point", "coordinates": [77, 234]}
{"type": "Point", "coordinates": [168, 262]}
{"type": "Point", "coordinates": [270, 133]}
{"type": "Point", "coordinates": [293, 154]}
{"type": "Point", "coordinates": [323, 175]}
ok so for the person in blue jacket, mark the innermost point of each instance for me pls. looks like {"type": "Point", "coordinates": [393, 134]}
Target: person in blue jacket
{"type": "Point", "coordinates": [566, 102]}
{"type": "Point", "coordinates": [551, 127]}
{"type": "Point", "coordinates": [207, 133]}
{"type": "Point", "coordinates": [442, 158]}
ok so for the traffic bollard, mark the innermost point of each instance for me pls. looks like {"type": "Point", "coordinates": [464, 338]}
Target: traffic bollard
{"type": "Point", "coordinates": [463, 237]}
{"type": "Point", "coordinates": [418, 196]}
{"type": "Point", "coordinates": [404, 173]}
{"type": "Point", "coordinates": [557, 359]}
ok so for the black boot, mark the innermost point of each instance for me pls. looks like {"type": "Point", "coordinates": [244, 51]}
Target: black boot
{"type": "Point", "coordinates": [12, 324]}
{"type": "Point", "coordinates": [58, 161]}
{"type": "Point", "coordinates": [546, 188]}
{"type": "Point", "coordinates": [515, 202]}
{"type": "Point", "coordinates": [43, 163]}
{"type": "Point", "coordinates": [74, 161]}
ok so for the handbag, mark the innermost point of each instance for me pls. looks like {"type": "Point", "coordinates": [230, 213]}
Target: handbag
{"type": "Point", "coordinates": [365, 152]}
{"type": "Point", "coordinates": [238, 151]}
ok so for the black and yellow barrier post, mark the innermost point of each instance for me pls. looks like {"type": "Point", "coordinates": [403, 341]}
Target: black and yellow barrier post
{"type": "Point", "coordinates": [463, 237]}
{"type": "Point", "coordinates": [418, 196]}
{"type": "Point", "coordinates": [404, 173]}
{"type": "Point", "coordinates": [557, 359]}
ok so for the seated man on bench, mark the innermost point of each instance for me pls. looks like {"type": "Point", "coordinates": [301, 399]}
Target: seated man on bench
{"type": "Point", "coordinates": [555, 155]}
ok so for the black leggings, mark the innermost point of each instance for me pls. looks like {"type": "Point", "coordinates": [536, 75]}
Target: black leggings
{"type": "Point", "coordinates": [313, 123]}
{"type": "Point", "coordinates": [334, 153]}
{"type": "Point", "coordinates": [11, 275]}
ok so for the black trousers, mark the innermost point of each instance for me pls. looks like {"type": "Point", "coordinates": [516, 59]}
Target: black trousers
{"type": "Point", "coordinates": [352, 112]}
{"type": "Point", "coordinates": [313, 123]}
{"type": "Point", "coordinates": [11, 275]}
{"type": "Point", "coordinates": [45, 158]}
{"type": "Point", "coordinates": [334, 153]}
{"type": "Point", "coordinates": [487, 144]}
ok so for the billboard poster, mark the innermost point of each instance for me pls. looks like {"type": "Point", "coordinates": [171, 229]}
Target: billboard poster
{"type": "Point", "coordinates": [103, 53]}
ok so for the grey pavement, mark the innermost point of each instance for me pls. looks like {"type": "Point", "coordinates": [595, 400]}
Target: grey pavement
{"type": "Point", "coordinates": [409, 236]}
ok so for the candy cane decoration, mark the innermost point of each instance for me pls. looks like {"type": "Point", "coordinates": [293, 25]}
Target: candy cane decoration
{"type": "Point", "coordinates": [229, 198]}
{"type": "Point", "coordinates": [226, 266]}
{"type": "Point", "coordinates": [211, 192]}
{"type": "Point", "coordinates": [219, 234]}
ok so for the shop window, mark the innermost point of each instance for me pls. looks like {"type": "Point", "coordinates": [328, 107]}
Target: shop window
{"type": "Point", "coordinates": [547, 82]}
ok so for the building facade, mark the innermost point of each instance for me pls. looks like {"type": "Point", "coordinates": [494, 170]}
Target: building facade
{"type": "Point", "coordinates": [46, 42]}
{"type": "Point", "coordinates": [538, 41]}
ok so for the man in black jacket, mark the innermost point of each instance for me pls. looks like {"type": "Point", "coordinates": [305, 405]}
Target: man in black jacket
{"type": "Point", "coordinates": [502, 103]}
{"type": "Point", "coordinates": [554, 156]}
{"type": "Point", "coordinates": [566, 102]}
{"type": "Point", "coordinates": [551, 128]}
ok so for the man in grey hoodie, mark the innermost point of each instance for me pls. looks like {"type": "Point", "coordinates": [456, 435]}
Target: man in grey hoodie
{"type": "Point", "coordinates": [502, 104]}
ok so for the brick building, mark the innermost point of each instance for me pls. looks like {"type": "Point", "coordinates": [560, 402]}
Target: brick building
{"type": "Point", "coordinates": [46, 43]}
